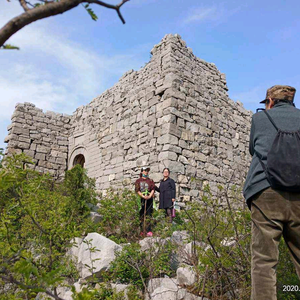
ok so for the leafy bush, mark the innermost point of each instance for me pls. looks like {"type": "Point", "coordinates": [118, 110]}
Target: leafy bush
{"type": "Point", "coordinates": [286, 274]}
{"type": "Point", "coordinates": [104, 291]}
{"type": "Point", "coordinates": [225, 270]}
{"type": "Point", "coordinates": [222, 270]}
{"type": "Point", "coordinates": [161, 225]}
{"type": "Point", "coordinates": [120, 216]}
{"type": "Point", "coordinates": [130, 266]}
{"type": "Point", "coordinates": [38, 218]}
{"type": "Point", "coordinates": [136, 267]}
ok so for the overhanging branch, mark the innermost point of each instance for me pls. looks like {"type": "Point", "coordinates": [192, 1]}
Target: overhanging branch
{"type": "Point", "coordinates": [24, 5]}
{"type": "Point", "coordinates": [115, 7]}
{"type": "Point", "coordinates": [47, 10]}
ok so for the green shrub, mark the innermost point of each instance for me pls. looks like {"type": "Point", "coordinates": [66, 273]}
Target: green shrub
{"type": "Point", "coordinates": [120, 216]}
{"type": "Point", "coordinates": [130, 266]}
{"type": "Point", "coordinates": [38, 218]}
{"type": "Point", "coordinates": [106, 292]}
{"type": "Point", "coordinates": [226, 270]}
{"type": "Point", "coordinates": [161, 225]}
{"type": "Point", "coordinates": [286, 274]}
{"type": "Point", "coordinates": [136, 267]}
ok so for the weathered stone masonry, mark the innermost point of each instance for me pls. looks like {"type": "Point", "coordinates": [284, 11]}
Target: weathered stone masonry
{"type": "Point", "coordinates": [42, 136]}
{"type": "Point", "coordinates": [175, 112]}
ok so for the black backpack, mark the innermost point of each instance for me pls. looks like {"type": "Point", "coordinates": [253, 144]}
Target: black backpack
{"type": "Point", "coordinates": [283, 160]}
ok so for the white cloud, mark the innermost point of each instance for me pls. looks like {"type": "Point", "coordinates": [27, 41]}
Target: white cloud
{"type": "Point", "coordinates": [54, 72]}
{"type": "Point", "coordinates": [214, 14]}
{"type": "Point", "coordinates": [202, 14]}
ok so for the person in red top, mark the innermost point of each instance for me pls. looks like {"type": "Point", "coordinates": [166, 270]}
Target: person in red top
{"type": "Point", "coordinates": [145, 188]}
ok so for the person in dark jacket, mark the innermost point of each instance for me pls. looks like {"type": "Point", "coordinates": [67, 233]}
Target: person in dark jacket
{"type": "Point", "coordinates": [273, 212]}
{"type": "Point", "coordinates": [167, 193]}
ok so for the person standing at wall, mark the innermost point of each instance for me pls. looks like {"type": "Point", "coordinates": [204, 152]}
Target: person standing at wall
{"type": "Point", "coordinates": [167, 193]}
{"type": "Point", "coordinates": [272, 188]}
{"type": "Point", "coordinates": [145, 188]}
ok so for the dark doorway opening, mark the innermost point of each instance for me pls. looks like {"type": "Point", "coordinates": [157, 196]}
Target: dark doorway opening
{"type": "Point", "coordinates": [79, 160]}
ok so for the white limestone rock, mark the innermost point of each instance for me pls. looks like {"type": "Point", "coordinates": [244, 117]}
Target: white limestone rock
{"type": "Point", "coordinates": [186, 275]}
{"type": "Point", "coordinates": [74, 250]}
{"type": "Point", "coordinates": [100, 258]}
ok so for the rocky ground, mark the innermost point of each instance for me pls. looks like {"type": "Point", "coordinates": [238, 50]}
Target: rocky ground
{"type": "Point", "coordinates": [86, 253]}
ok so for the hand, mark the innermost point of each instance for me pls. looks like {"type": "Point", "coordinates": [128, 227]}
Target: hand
{"type": "Point", "coordinates": [173, 200]}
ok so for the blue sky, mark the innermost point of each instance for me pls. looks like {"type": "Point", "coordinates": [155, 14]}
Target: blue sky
{"type": "Point", "coordinates": [67, 60]}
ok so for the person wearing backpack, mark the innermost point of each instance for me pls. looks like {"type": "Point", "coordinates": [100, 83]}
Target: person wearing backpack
{"type": "Point", "coordinates": [272, 188]}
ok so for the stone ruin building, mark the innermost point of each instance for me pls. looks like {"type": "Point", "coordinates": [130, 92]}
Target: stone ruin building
{"type": "Point", "coordinates": [174, 112]}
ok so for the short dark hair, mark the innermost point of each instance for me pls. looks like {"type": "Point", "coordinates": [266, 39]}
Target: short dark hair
{"type": "Point", "coordinates": [282, 100]}
{"type": "Point", "coordinates": [167, 169]}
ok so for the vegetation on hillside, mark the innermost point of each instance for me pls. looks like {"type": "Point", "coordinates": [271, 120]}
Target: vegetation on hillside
{"type": "Point", "coordinates": [39, 217]}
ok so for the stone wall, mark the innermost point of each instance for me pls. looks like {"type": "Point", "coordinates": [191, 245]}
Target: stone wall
{"type": "Point", "coordinates": [174, 112]}
{"type": "Point", "coordinates": [42, 136]}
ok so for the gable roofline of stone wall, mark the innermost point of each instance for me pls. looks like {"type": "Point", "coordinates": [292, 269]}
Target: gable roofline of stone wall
{"type": "Point", "coordinates": [165, 41]}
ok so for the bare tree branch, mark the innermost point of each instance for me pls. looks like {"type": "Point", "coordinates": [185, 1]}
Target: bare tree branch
{"type": "Point", "coordinates": [47, 10]}
{"type": "Point", "coordinates": [24, 5]}
{"type": "Point", "coordinates": [116, 7]}
{"type": "Point", "coordinates": [10, 279]}
{"type": "Point", "coordinates": [135, 265]}
{"type": "Point", "coordinates": [29, 4]}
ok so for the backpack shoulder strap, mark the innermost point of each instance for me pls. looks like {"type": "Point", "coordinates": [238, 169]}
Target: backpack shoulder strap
{"type": "Point", "coordinates": [271, 120]}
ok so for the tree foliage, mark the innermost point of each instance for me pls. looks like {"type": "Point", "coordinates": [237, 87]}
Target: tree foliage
{"type": "Point", "coordinates": [119, 212]}
{"type": "Point", "coordinates": [38, 219]}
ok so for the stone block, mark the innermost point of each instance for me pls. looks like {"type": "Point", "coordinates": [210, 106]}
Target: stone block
{"type": "Point", "coordinates": [167, 139]}
{"type": "Point", "coordinates": [23, 145]}
{"type": "Point", "coordinates": [20, 130]}
{"type": "Point", "coordinates": [40, 156]}
{"type": "Point", "coordinates": [166, 119]}
{"type": "Point", "coordinates": [142, 160]}
{"type": "Point", "coordinates": [103, 247]}
{"type": "Point", "coordinates": [42, 149]}
{"type": "Point", "coordinates": [171, 129]}
{"type": "Point", "coordinates": [172, 148]}
{"type": "Point", "coordinates": [29, 153]}
{"type": "Point", "coordinates": [187, 135]}
{"type": "Point", "coordinates": [175, 166]}
{"type": "Point", "coordinates": [167, 155]}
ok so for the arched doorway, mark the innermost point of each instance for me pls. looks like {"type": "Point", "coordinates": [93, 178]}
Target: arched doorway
{"type": "Point", "coordinates": [79, 160]}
